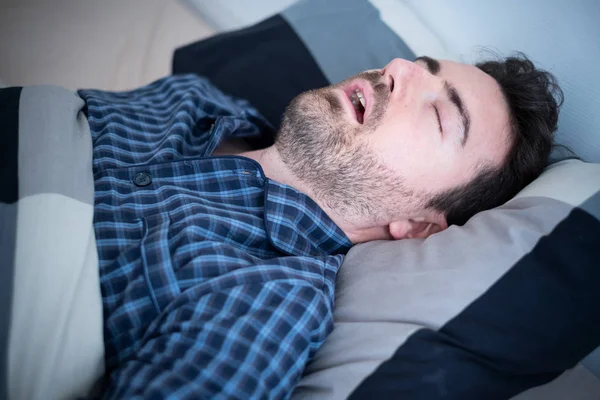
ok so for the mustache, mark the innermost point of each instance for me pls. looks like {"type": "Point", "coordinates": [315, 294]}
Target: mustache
{"type": "Point", "coordinates": [381, 95]}
{"type": "Point", "coordinates": [373, 77]}
{"type": "Point", "coordinates": [380, 88]}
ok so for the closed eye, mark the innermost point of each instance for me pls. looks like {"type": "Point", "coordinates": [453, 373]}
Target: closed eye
{"type": "Point", "coordinates": [437, 114]}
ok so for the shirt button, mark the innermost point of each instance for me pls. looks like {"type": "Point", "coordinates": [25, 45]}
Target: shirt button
{"type": "Point", "coordinates": [142, 179]}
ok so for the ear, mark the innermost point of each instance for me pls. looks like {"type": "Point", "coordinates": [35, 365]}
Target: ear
{"type": "Point", "coordinates": [415, 228]}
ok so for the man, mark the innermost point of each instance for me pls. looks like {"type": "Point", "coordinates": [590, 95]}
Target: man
{"type": "Point", "coordinates": [217, 271]}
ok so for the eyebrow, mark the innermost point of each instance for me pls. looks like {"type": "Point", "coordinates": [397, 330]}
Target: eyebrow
{"type": "Point", "coordinates": [433, 66]}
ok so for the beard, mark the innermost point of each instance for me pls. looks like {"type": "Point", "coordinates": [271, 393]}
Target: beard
{"type": "Point", "coordinates": [333, 158]}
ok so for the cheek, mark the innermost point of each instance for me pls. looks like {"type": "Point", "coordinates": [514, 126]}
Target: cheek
{"type": "Point", "coordinates": [411, 126]}
{"type": "Point", "coordinates": [423, 161]}
{"type": "Point", "coordinates": [410, 158]}
{"type": "Point", "coordinates": [405, 141]}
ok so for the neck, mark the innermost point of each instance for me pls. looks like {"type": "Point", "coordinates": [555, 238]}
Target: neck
{"type": "Point", "coordinates": [276, 169]}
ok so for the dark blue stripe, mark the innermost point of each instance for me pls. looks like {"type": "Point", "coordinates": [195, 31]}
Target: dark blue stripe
{"type": "Point", "coordinates": [9, 144]}
{"type": "Point", "coordinates": [539, 319]}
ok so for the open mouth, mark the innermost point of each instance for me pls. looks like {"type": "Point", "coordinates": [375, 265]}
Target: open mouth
{"type": "Point", "coordinates": [357, 98]}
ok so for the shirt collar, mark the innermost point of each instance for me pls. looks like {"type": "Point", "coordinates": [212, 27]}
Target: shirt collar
{"type": "Point", "coordinates": [297, 225]}
{"type": "Point", "coordinates": [294, 223]}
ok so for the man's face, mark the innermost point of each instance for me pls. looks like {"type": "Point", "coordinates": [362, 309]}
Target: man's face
{"type": "Point", "coordinates": [426, 127]}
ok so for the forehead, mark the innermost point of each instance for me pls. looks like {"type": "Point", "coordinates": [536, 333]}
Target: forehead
{"type": "Point", "coordinates": [483, 99]}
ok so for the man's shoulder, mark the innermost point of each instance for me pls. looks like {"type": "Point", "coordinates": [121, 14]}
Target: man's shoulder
{"type": "Point", "coordinates": [165, 93]}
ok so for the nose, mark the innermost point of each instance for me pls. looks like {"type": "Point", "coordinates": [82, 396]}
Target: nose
{"type": "Point", "coordinates": [401, 76]}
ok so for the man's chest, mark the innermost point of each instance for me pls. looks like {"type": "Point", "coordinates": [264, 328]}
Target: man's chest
{"type": "Point", "coordinates": [186, 233]}
{"type": "Point", "coordinates": [174, 207]}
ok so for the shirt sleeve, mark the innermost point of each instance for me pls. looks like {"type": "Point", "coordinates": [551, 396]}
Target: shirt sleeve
{"type": "Point", "coordinates": [249, 341]}
{"type": "Point", "coordinates": [169, 119]}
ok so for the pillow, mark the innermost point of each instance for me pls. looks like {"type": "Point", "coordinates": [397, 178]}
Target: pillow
{"type": "Point", "coordinates": [484, 311]}
{"type": "Point", "coordinates": [309, 45]}
{"type": "Point", "coordinates": [227, 15]}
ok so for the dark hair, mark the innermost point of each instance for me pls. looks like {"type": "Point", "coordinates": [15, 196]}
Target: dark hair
{"type": "Point", "coordinates": [534, 98]}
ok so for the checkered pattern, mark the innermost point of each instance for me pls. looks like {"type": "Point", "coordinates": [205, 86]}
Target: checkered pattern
{"type": "Point", "coordinates": [217, 282]}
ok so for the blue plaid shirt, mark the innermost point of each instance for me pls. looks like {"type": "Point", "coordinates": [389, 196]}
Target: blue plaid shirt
{"type": "Point", "coordinates": [217, 282]}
